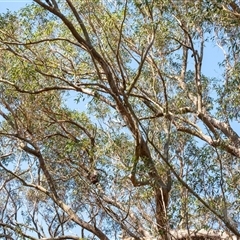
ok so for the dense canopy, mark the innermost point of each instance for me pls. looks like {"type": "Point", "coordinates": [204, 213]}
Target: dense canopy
{"type": "Point", "coordinates": [120, 120]}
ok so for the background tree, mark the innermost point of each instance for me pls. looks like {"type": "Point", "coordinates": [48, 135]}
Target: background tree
{"type": "Point", "coordinates": [153, 119]}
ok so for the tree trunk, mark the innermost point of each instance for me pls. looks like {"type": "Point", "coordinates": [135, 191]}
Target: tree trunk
{"type": "Point", "coordinates": [161, 198]}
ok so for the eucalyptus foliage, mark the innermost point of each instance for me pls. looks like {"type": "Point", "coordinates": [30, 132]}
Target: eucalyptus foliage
{"type": "Point", "coordinates": [109, 127]}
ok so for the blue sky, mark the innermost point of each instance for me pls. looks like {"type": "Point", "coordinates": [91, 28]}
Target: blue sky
{"type": "Point", "coordinates": [12, 5]}
{"type": "Point", "coordinates": [213, 55]}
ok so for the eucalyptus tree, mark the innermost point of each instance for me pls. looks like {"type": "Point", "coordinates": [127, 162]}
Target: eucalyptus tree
{"type": "Point", "coordinates": [156, 153]}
